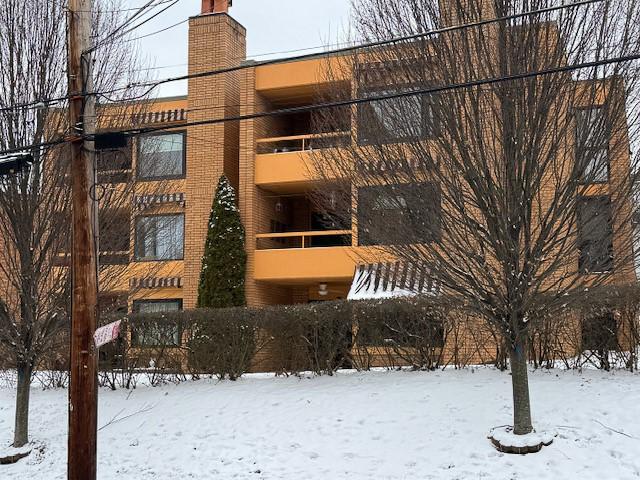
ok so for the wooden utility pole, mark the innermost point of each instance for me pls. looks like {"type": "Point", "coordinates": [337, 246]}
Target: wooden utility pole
{"type": "Point", "coordinates": [83, 388]}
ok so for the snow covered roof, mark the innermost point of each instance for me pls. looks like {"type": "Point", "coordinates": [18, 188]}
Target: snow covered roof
{"type": "Point", "coordinates": [391, 280]}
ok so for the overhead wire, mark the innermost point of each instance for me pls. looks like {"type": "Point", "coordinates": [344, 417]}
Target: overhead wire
{"type": "Point", "coordinates": [147, 6]}
{"type": "Point", "coordinates": [42, 103]}
{"type": "Point", "coordinates": [248, 57]}
{"type": "Point", "coordinates": [117, 10]}
{"type": "Point", "coordinates": [156, 33]}
{"type": "Point", "coordinates": [146, 20]}
{"type": "Point", "coordinates": [410, 93]}
{"type": "Point", "coordinates": [338, 51]}
{"type": "Point", "coordinates": [356, 101]}
{"type": "Point", "coordinates": [348, 49]}
{"type": "Point", "coordinates": [124, 24]}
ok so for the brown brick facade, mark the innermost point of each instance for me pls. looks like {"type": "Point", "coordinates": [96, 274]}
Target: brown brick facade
{"type": "Point", "coordinates": [215, 41]}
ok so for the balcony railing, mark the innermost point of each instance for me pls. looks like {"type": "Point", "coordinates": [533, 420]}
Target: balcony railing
{"type": "Point", "coordinates": [301, 143]}
{"type": "Point", "coordinates": [314, 239]}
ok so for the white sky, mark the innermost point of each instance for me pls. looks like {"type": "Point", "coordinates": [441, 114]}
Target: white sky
{"type": "Point", "coordinates": [272, 26]}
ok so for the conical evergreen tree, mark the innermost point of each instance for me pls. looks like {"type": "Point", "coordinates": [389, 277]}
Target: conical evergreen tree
{"type": "Point", "coordinates": [224, 260]}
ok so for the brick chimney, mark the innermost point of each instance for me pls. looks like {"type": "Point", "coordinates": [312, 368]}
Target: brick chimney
{"type": "Point", "coordinates": [216, 41]}
{"type": "Point", "coordinates": [216, 6]}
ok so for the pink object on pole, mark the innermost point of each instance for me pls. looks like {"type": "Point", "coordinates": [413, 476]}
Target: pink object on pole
{"type": "Point", "coordinates": [106, 334]}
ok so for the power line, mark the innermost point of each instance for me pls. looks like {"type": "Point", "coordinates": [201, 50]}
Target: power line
{"type": "Point", "coordinates": [157, 32]}
{"type": "Point", "coordinates": [338, 51]}
{"type": "Point", "coordinates": [34, 104]}
{"type": "Point", "coordinates": [358, 101]}
{"type": "Point", "coordinates": [117, 10]}
{"type": "Point", "coordinates": [249, 57]}
{"type": "Point", "coordinates": [51, 143]}
{"type": "Point", "coordinates": [126, 23]}
{"type": "Point", "coordinates": [146, 20]}
{"type": "Point", "coordinates": [352, 48]}
{"type": "Point", "coordinates": [140, 10]}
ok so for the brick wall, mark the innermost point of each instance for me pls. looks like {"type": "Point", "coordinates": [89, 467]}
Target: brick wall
{"type": "Point", "coordinates": [215, 41]}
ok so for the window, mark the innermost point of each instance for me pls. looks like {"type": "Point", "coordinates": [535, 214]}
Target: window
{"type": "Point", "coordinates": [592, 150]}
{"type": "Point", "coordinates": [161, 156]}
{"type": "Point", "coordinates": [113, 159]}
{"type": "Point", "coordinates": [595, 234]}
{"type": "Point", "coordinates": [398, 214]}
{"type": "Point", "coordinates": [599, 332]}
{"type": "Point", "coordinates": [395, 119]}
{"type": "Point", "coordinates": [114, 236]}
{"type": "Point", "coordinates": [402, 333]}
{"type": "Point", "coordinates": [156, 333]}
{"type": "Point", "coordinates": [399, 119]}
{"type": "Point", "coordinates": [112, 305]}
{"type": "Point", "coordinates": [160, 237]}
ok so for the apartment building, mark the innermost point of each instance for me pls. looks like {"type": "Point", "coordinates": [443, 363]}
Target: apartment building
{"type": "Point", "coordinates": [294, 254]}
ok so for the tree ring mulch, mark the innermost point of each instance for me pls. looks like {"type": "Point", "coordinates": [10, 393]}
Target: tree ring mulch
{"type": "Point", "coordinates": [506, 441]}
{"type": "Point", "coordinates": [13, 455]}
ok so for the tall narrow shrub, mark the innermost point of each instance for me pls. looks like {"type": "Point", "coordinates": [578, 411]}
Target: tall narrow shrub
{"type": "Point", "coordinates": [224, 259]}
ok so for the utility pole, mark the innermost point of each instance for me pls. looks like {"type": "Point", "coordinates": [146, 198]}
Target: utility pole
{"type": "Point", "coordinates": [83, 388]}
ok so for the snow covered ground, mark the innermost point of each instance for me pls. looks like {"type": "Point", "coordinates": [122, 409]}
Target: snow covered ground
{"type": "Point", "coordinates": [376, 425]}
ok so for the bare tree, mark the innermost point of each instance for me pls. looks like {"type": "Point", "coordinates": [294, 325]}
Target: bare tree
{"type": "Point", "coordinates": [512, 183]}
{"type": "Point", "coordinates": [34, 204]}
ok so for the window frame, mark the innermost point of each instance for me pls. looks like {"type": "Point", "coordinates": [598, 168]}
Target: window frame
{"type": "Point", "coordinates": [436, 234]}
{"type": "Point", "coordinates": [141, 178]}
{"type": "Point", "coordinates": [124, 212]}
{"type": "Point", "coordinates": [366, 87]}
{"type": "Point", "coordinates": [583, 266]}
{"type": "Point", "coordinates": [179, 327]}
{"type": "Point", "coordinates": [589, 148]}
{"type": "Point", "coordinates": [601, 326]}
{"type": "Point", "coordinates": [107, 157]}
{"type": "Point", "coordinates": [136, 245]}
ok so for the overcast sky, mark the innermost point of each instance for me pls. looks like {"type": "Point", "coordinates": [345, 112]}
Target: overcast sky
{"type": "Point", "coordinates": [272, 26]}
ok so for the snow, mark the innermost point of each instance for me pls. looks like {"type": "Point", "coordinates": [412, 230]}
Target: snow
{"type": "Point", "coordinates": [382, 425]}
{"type": "Point", "coordinates": [397, 280]}
{"type": "Point", "coordinates": [506, 437]}
{"type": "Point", "coordinates": [11, 451]}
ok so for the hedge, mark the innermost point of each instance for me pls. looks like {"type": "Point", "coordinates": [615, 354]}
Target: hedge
{"type": "Point", "coordinates": [421, 333]}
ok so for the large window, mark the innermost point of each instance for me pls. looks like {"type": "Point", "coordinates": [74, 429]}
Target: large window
{"type": "Point", "coordinates": [115, 228]}
{"type": "Point", "coordinates": [160, 237]}
{"type": "Point", "coordinates": [396, 119]}
{"type": "Point", "coordinates": [161, 156]}
{"type": "Point", "coordinates": [114, 165]}
{"type": "Point", "coordinates": [406, 118]}
{"type": "Point", "coordinates": [595, 234]}
{"type": "Point", "coordinates": [156, 333]}
{"type": "Point", "coordinates": [599, 332]}
{"type": "Point", "coordinates": [592, 149]}
{"type": "Point", "coordinates": [398, 214]}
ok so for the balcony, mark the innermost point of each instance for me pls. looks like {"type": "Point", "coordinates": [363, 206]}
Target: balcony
{"type": "Point", "coordinates": [321, 238]}
{"type": "Point", "coordinates": [302, 143]}
{"type": "Point", "coordinates": [286, 163]}
{"type": "Point", "coordinates": [301, 257]}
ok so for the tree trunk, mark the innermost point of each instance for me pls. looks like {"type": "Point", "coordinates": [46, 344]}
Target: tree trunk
{"type": "Point", "coordinates": [520, 383]}
{"type": "Point", "coordinates": [21, 432]}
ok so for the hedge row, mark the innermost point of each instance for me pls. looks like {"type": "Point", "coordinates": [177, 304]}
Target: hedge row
{"type": "Point", "coordinates": [321, 337]}
{"type": "Point", "coordinates": [287, 339]}
{"type": "Point", "coordinates": [422, 333]}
